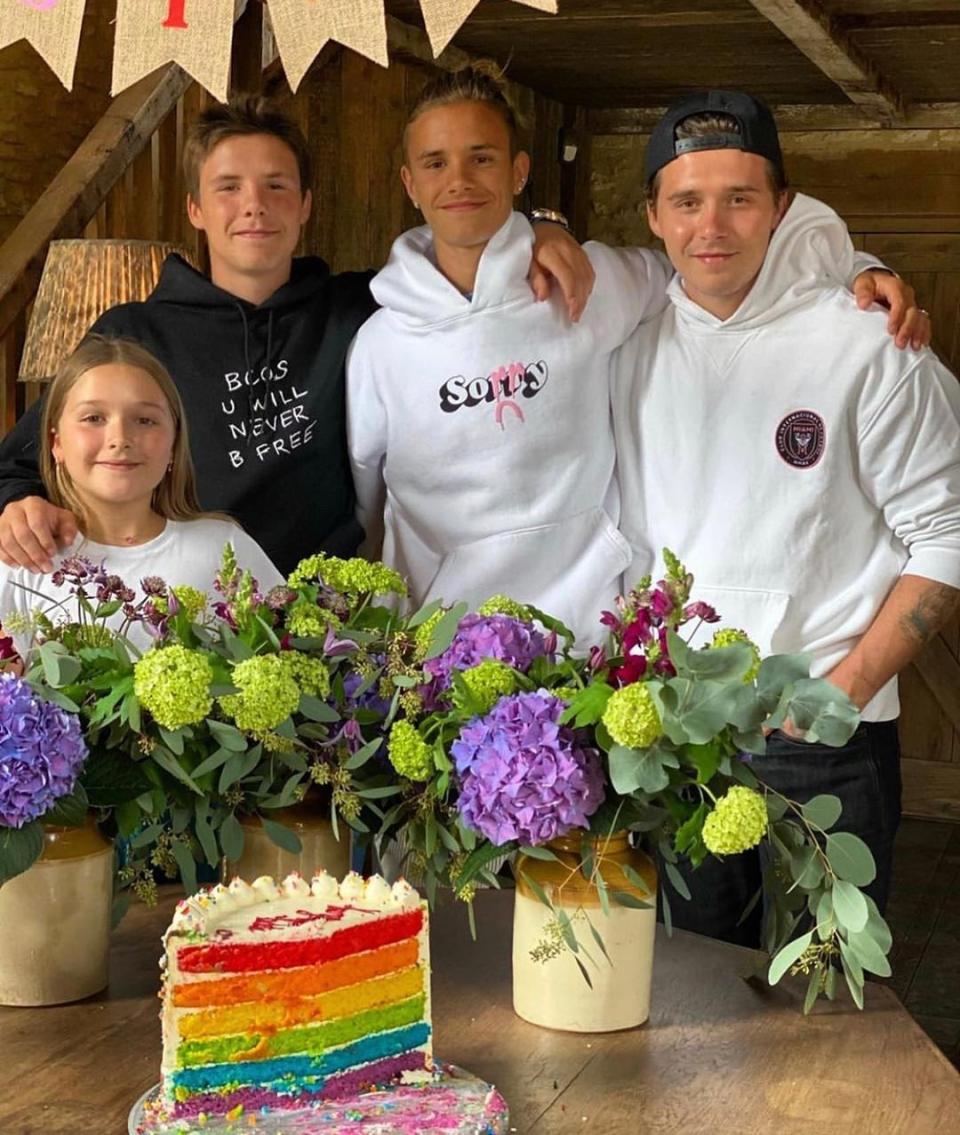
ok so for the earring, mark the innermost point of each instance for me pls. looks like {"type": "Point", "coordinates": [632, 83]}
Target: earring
{"type": "Point", "coordinates": [416, 205]}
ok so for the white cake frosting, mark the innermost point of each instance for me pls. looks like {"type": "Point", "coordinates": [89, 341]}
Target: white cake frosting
{"type": "Point", "coordinates": [226, 907]}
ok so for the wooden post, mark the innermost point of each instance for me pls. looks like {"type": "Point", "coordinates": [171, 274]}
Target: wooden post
{"type": "Point", "coordinates": [246, 60]}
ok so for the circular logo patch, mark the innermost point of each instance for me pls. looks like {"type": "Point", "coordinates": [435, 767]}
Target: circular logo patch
{"type": "Point", "coordinates": [801, 438]}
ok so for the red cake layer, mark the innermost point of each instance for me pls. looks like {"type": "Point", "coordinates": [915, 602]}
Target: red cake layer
{"type": "Point", "coordinates": [253, 956]}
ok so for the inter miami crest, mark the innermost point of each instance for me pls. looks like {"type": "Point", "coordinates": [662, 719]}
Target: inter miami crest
{"type": "Point", "coordinates": [801, 438]}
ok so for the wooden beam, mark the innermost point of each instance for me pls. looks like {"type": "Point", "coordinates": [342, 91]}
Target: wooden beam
{"type": "Point", "coordinates": [78, 190]}
{"type": "Point", "coordinates": [811, 29]}
{"type": "Point", "coordinates": [790, 118]}
{"type": "Point", "coordinates": [247, 51]}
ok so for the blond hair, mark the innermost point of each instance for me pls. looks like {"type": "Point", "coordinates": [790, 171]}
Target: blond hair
{"type": "Point", "coordinates": [481, 81]}
{"type": "Point", "coordinates": [176, 496]}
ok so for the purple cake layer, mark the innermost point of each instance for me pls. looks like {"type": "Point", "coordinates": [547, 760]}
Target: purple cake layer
{"type": "Point", "coordinates": [334, 1087]}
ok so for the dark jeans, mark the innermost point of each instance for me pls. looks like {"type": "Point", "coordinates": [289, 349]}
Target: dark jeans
{"type": "Point", "coordinates": [864, 774]}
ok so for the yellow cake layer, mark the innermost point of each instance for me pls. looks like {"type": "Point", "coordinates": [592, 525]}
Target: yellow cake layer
{"type": "Point", "coordinates": [288, 1010]}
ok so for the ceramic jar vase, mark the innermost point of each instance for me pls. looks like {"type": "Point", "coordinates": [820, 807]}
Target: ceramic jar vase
{"type": "Point", "coordinates": [55, 920]}
{"type": "Point", "coordinates": [553, 992]}
{"type": "Point", "coordinates": [320, 848]}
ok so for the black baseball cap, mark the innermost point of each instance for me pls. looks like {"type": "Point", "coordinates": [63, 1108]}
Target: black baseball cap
{"type": "Point", "coordinates": [758, 130]}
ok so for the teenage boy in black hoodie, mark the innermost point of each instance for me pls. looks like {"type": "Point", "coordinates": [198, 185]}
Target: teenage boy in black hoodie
{"type": "Point", "coordinates": [257, 351]}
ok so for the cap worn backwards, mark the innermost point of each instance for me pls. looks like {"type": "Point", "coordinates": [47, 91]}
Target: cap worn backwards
{"type": "Point", "coordinates": [757, 133]}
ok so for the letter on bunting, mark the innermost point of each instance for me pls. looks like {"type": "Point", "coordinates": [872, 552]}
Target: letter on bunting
{"type": "Point", "coordinates": [444, 18]}
{"type": "Point", "coordinates": [301, 29]}
{"type": "Point", "coordinates": [197, 34]}
{"type": "Point", "coordinates": [51, 27]}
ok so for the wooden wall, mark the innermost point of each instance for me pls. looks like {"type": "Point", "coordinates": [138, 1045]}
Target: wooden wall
{"type": "Point", "coordinates": [899, 191]}
{"type": "Point", "coordinates": [34, 105]}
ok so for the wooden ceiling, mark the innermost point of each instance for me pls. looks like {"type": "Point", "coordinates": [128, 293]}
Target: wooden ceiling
{"type": "Point", "coordinates": [821, 62]}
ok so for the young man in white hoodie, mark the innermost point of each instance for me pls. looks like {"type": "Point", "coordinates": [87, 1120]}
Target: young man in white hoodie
{"type": "Point", "coordinates": [479, 420]}
{"type": "Point", "coordinates": [806, 471]}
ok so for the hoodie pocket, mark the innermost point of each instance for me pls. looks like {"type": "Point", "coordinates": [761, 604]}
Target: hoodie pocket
{"type": "Point", "coordinates": [571, 569]}
{"type": "Point", "coordinates": [758, 612]}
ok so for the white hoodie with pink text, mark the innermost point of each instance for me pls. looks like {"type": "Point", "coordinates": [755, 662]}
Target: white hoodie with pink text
{"type": "Point", "coordinates": [481, 426]}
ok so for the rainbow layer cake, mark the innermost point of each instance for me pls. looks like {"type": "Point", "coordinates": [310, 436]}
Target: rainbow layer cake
{"type": "Point", "coordinates": [282, 995]}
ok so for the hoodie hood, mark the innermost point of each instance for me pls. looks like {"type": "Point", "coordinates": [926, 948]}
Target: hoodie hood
{"type": "Point", "coordinates": [181, 283]}
{"type": "Point", "coordinates": [417, 293]}
{"type": "Point", "coordinates": [809, 250]}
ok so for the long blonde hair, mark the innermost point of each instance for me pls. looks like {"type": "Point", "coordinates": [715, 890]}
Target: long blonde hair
{"type": "Point", "coordinates": [176, 496]}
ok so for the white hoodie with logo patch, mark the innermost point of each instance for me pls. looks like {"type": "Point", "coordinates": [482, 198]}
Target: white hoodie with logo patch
{"type": "Point", "coordinates": [482, 427]}
{"type": "Point", "coordinates": [791, 455]}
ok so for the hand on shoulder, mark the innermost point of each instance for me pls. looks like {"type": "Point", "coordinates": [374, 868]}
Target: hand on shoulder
{"type": "Point", "coordinates": [32, 531]}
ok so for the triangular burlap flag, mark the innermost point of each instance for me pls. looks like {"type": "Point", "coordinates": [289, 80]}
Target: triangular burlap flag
{"type": "Point", "coordinates": [302, 27]}
{"type": "Point", "coordinates": [444, 18]}
{"type": "Point", "coordinates": [197, 34]}
{"type": "Point", "coordinates": [51, 27]}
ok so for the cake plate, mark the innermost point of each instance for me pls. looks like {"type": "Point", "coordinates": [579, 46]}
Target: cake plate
{"type": "Point", "coordinates": [455, 1102]}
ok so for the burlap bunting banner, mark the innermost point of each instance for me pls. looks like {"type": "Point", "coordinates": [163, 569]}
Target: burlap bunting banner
{"type": "Point", "coordinates": [52, 27]}
{"type": "Point", "coordinates": [197, 34]}
{"type": "Point", "coordinates": [444, 18]}
{"type": "Point", "coordinates": [301, 29]}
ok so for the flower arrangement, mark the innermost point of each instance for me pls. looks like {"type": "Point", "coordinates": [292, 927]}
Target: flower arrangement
{"type": "Point", "coordinates": [512, 742]}
{"type": "Point", "coordinates": [42, 752]}
{"type": "Point", "coordinates": [236, 709]}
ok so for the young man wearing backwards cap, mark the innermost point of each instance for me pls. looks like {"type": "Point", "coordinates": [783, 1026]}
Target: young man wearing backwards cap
{"type": "Point", "coordinates": [806, 470]}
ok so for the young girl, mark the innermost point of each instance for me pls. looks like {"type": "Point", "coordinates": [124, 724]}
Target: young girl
{"type": "Point", "coordinates": [116, 452]}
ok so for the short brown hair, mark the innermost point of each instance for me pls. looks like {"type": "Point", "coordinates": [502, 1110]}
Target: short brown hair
{"type": "Point", "coordinates": [481, 81]}
{"type": "Point", "coordinates": [176, 495]}
{"type": "Point", "coordinates": [242, 115]}
{"type": "Point", "coordinates": [702, 125]}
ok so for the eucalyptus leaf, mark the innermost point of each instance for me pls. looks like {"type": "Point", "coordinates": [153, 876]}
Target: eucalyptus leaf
{"type": "Point", "coordinates": [632, 769]}
{"type": "Point", "coordinates": [188, 868]}
{"type": "Point", "coordinates": [822, 811]}
{"type": "Point", "coordinates": [173, 739]}
{"type": "Point", "coordinates": [231, 837]}
{"type": "Point", "coordinates": [778, 672]}
{"type": "Point", "coordinates": [703, 709]}
{"type": "Point", "coordinates": [538, 852]}
{"type": "Point", "coordinates": [788, 956]}
{"type": "Point", "coordinates": [237, 767]}
{"type": "Point", "coordinates": [316, 710]}
{"type": "Point", "coordinates": [534, 886]}
{"type": "Point", "coordinates": [444, 631]}
{"type": "Point", "coordinates": [806, 868]}
{"type": "Point", "coordinates": [625, 898]}
{"type": "Point", "coordinates": [566, 930]}
{"type": "Point", "coordinates": [851, 859]}
{"type": "Point", "coordinates": [849, 906]}
{"type": "Point", "coordinates": [282, 836]}
{"type": "Point", "coordinates": [868, 953]}
{"type": "Point", "coordinates": [852, 972]}
{"type": "Point", "coordinates": [425, 612]}
{"type": "Point", "coordinates": [226, 735]}
{"type": "Point", "coordinates": [162, 756]}
{"type": "Point", "coordinates": [214, 761]}
{"type": "Point", "coordinates": [205, 836]}
{"type": "Point", "coordinates": [813, 989]}
{"type": "Point", "coordinates": [776, 807]}
{"type": "Point", "coordinates": [826, 921]}
{"type": "Point", "coordinates": [678, 881]}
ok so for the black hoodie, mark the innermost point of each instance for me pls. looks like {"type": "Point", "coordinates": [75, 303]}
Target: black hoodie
{"type": "Point", "coordinates": [263, 389]}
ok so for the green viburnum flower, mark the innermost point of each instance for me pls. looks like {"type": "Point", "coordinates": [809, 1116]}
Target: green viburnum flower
{"type": "Point", "coordinates": [408, 752]}
{"type": "Point", "coordinates": [504, 605]}
{"type": "Point", "coordinates": [308, 672]}
{"type": "Point", "coordinates": [424, 633]}
{"type": "Point", "coordinates": [349, 577]}
{"type": "Point", "coordinates": [631, 717]}
{"type": "Point", "coordinates": [173, 684]}
{"type": "Point", "coordinates": [268, 694]}
{"type": "Point", "coordinates": [488, 681]}
{"type": "Point", "coordinates": [191, 599]}
{"type": "Point", "coordinates": [306, 620]}
{"type": "Point", "coordinates": [727, 636]}
{"type": "Point", "coordinates": [737, 823]}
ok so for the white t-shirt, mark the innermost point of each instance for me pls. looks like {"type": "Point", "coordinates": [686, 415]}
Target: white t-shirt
{"type": "Point", "coordinates": [186, 552]}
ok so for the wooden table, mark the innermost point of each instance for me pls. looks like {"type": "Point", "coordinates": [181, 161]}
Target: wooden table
{"type": "Point", "coordinates": [718, 1055]}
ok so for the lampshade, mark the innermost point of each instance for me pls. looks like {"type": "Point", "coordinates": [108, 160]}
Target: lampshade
{"type": "Point", "coordinates": [81, 279]}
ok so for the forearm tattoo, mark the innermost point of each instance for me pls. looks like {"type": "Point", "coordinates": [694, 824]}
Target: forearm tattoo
{"type": "Point", "coordinates": [934, 608]}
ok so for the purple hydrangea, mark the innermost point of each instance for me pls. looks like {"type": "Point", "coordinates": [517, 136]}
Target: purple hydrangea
{"type": "Point", "coordinates": [42, 751]}
{"type": "Point", "coordinates": [480, 637]}
{"type": "Point", "coordinates": [523, 775]}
